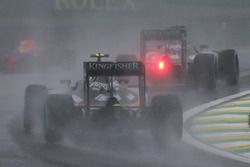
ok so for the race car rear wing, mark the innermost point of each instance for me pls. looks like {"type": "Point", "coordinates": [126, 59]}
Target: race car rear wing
{"type": "Point", "coordinates": [132, 68]}
{"type": "Point", "coordinates": [114, 69]}
{"type": "Point", "coordinates": [156, 34]}
{"type": "Point", "coordinates": [175, 33]}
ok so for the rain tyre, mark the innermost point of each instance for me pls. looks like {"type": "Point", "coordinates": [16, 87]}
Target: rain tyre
{"type": "Point", "coordinates": [229, 66]}
{"type": "Point", "coordinates": [34, 99]}
{"type": "Point", "coordinates": [167, 120]}
{"type": "Point", "coordinates": [56, 116]}
{"type": "Point", "coordinates": [204, 71]}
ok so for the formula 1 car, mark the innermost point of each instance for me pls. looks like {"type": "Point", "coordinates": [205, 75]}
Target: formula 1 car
{"type": "Point", "coordinates": [29, 55]}
{"type": "Point", "coordinates": [105, 102]}
{"type": "Point", "coordinates": [164, 52]}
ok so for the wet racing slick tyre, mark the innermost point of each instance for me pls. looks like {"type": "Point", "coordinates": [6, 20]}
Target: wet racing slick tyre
{"type": "Point", "coordinates": [204, 71]}
{"type": "Point", "coordinates": [34, 100]}
{"type": "Point", "coordinates": [57, 113]}
{"type": "Point", "coordinates": [167, 120]}
{"type": "Point", "coordinates": [229, 66]}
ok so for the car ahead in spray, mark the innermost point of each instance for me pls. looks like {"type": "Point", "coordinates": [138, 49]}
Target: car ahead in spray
{"type": "Point", "coordinates": [31, 55]}
{"type": "Point", "coordinates": [111, 98]}
{"type": "Point", "coordinates": [165, 54]}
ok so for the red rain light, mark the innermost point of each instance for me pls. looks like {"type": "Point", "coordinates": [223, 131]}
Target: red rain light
{"type": "Point", "coordinates": [158, 66]}
{"type": "Point", "coordinates": [161, 65]}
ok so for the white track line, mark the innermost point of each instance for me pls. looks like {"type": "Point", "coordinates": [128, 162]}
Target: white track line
{"type": "Point", "coordinates": [212, 117]}
{"type": "Point", "coordinates": [222, 134]}
{"type": "Point", "coordinates": [191, 140]}
{"type": "Point", "coordinates": [231, 144]}
{"type": "Point", "coordinates": [216, 110]}
{"type": "Point", "coordinates": [243, 125]}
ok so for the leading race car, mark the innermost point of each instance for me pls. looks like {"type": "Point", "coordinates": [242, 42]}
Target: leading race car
{"type": "Point", "coordinates": [165, 53]}
{"type": "Point", "coordinates": [111, 100]}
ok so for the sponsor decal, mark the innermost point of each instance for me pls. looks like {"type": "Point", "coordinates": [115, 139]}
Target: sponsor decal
{"type": "Point", "coordinates": [112, 69]}
{"type": "Point", "coordinates": [98, 86]}
{"type": "Point", "coordinates": [113, 66]}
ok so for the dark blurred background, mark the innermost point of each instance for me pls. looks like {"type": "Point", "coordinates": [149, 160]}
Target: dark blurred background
{"type": "Point", "coordinates": [87, 26]}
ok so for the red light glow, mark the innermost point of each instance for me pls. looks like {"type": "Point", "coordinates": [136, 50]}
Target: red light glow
{"type": "Point", "coordinates": [161, 65]}
{"type": "Point", "coordinates": [158, 66]}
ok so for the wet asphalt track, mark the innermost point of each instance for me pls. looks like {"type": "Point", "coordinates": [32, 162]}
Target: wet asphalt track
{"type": "Point", "coordinates": [18, 149]}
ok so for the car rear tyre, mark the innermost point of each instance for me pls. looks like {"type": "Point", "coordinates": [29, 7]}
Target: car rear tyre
{"type": "Point", "coordinates": [229, 66]}
{"type": "Point", "coordinates": [204, 71]}
{"type": "Point", "coordinates": [34, 100]}
{"type": "Point", "coordinates": [167, 120]}
{"type": "Point", "coordinates": [56, 115]}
